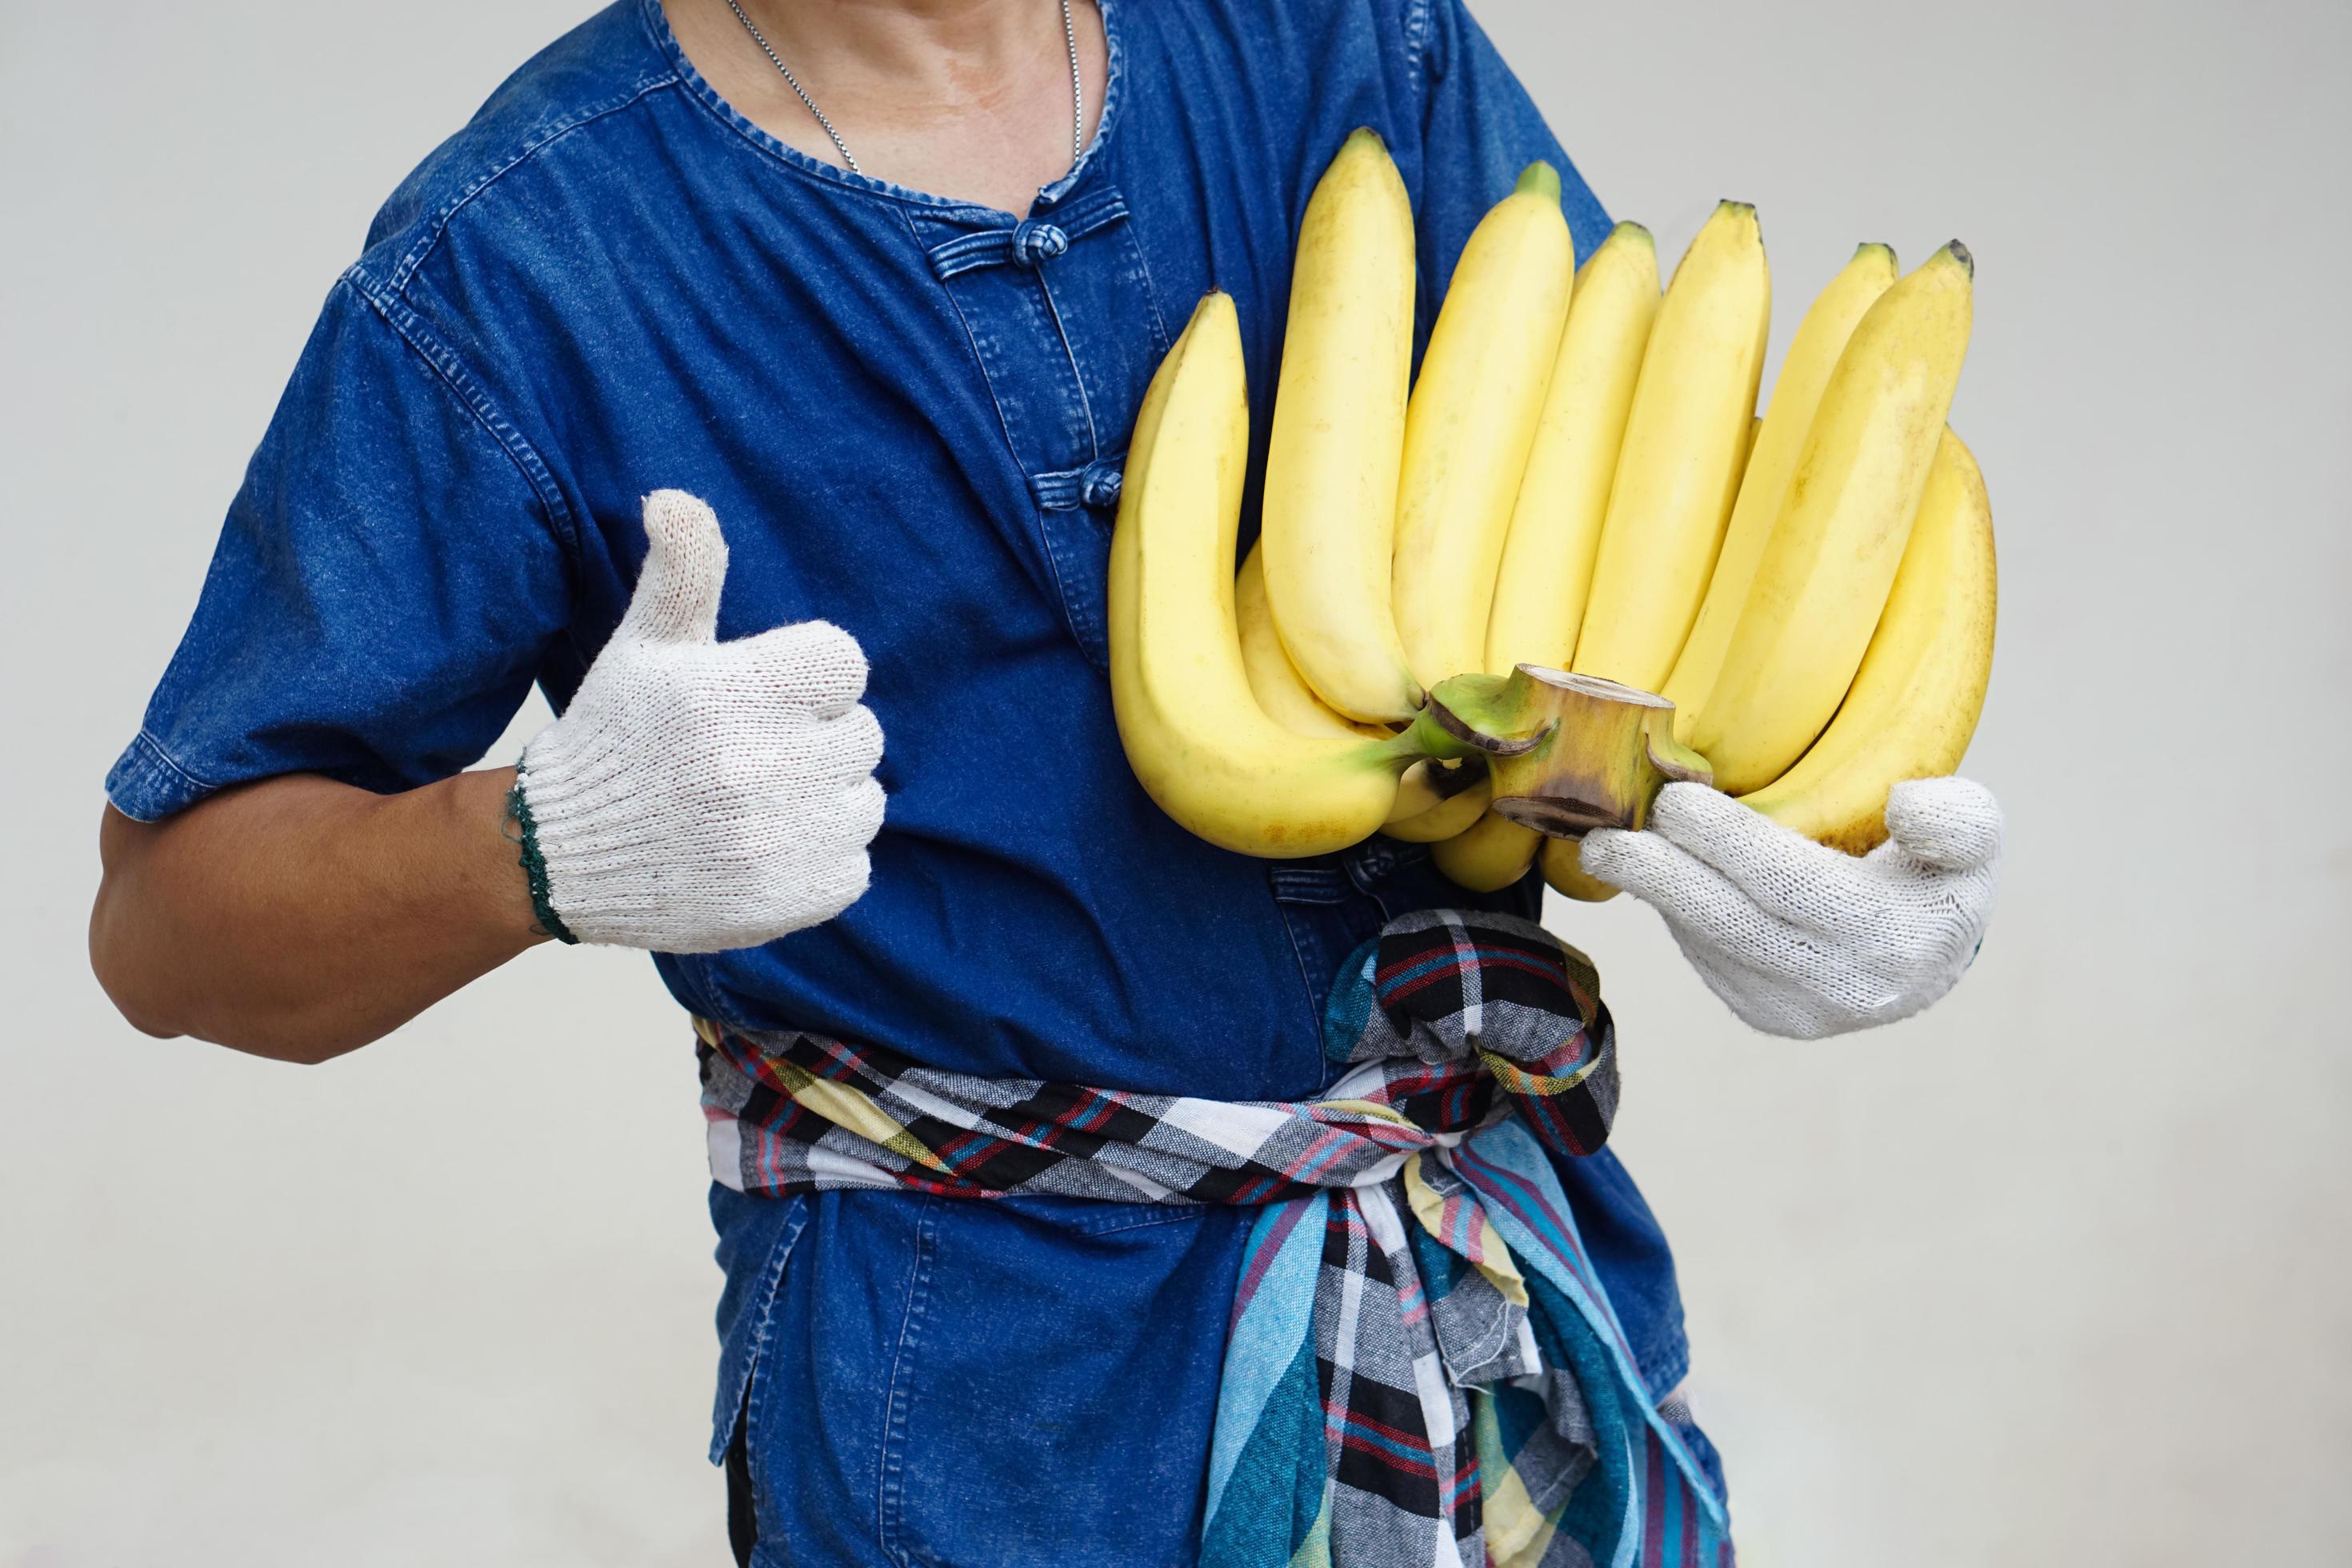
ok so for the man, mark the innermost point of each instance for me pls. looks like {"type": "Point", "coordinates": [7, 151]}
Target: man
{"type": "Point", "coordinates": [880, 284]}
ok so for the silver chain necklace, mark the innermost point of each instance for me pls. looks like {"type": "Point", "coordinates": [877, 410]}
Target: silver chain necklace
{"type": "Point", "coordinates": [1069, 38]}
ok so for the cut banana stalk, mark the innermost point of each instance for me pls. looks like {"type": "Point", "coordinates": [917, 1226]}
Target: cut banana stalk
{"type": "Point", "coordinates": [1921, 686]}
{"type": "Point", "coordinates": [1568, 753]}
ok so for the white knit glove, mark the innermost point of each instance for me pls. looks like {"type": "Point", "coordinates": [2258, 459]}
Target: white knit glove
{"type": "Point", "coordinates": [699, 795]}
{"type": "Point", "coordinates": [1805, 940]}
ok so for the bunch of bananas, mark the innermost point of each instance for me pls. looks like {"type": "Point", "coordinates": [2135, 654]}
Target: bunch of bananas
{"type": "Point", "coordinates": [1578, 481]}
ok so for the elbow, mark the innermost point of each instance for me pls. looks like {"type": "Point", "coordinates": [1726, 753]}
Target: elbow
{"type": "Point", "coordinates": [123, 970]}
{"type": "Point", "coordinates": [113, 962]}
{"type": "Point", "coordinates": [138, 981]}
{"type": "Point", "coordinates": [305, 1041]}
{"type": "Point", "coordinates": [296, 1047]}
{"type": "Point", "coordinates": [155, 1025]}
{"type": "Point", "coordinates": [300, 1040]}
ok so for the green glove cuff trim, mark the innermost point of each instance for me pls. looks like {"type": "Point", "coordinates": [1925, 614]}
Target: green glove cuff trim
{"type": "Point", "coordinates": [534, 865]}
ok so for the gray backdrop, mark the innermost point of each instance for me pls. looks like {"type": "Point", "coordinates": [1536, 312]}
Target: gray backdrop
{"type": "Point", "coordinates": [2055, 1274]}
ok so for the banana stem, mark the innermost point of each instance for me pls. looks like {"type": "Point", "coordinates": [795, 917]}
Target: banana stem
{"type": "Point", "coordinates": [1569, 752]}
{"type": "Point", "coordinates": [1426, 738]}
{"type": "Point", "coordinates": [1486, 712]}
{"type": "Point", "coordinates": [1462, 718]}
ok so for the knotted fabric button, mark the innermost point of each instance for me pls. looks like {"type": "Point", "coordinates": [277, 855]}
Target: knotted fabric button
{"type": "Point", "coordinates": [1100, 486]}
{"type": "Point", "coordinates": [1035, 242]}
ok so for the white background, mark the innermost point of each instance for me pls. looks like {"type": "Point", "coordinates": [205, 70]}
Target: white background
{"type": "Point", "coordinates": [2056, 1274]}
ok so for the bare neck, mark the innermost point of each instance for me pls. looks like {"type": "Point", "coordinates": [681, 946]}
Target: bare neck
{"type": "Point", "coordinates": [916, 41]}
{"type": "Point", "coordinates": [964, 99]}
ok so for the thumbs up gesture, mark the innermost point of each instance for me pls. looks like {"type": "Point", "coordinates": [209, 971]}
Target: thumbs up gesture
{"type": "Point", "coordinates": [699, 795]}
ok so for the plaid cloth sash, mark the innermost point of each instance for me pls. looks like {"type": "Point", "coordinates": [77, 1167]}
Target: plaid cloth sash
{"type": "Point", "coordinates": [1423, 1368]}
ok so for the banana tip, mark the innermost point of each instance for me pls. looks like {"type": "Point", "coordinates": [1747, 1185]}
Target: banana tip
{"type": "Point", "coordinates": [1365, 133]}
{"type": "Point", "coordinates": [1739, 218]}
{"type": "Point", "coordinates": [1961, 254]}
{"type": "Point", "coordinates": [1538, 179]}
{"type": "Point", "coordinates": [1634, 232]}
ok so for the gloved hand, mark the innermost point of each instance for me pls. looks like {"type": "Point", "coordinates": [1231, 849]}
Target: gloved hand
{"type": "Point", "coordinates": [1805, 940]}
{"type": "Point", "coordinates": [699, 795]}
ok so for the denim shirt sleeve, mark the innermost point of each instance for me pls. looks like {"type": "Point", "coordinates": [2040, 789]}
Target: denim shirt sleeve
{"type": "Point", "coordinates": [384, 590]}
{"type": "Point", "coordinates": [1479, 129]}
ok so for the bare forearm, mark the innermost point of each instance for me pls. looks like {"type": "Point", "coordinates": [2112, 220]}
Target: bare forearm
{"type": "Point", "coordinates": [300, 917]}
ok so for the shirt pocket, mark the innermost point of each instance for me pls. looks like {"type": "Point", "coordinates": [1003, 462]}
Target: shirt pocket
{"type": "Point", "coordinates": [1016, 1439]}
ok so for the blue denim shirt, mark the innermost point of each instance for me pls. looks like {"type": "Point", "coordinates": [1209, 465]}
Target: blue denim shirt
{"type": "Point", "coordinates": [910, 415]}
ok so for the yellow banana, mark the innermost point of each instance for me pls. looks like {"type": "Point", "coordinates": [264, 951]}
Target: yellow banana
{"type": "Point", "coordinates": [1448, 816]}
{"type": "Point", "coordinates": [1565, 871]}
{"type": "Point", "coordinates": [1796, 395]}
{"type": "Point", "coordinates": [1685, 443]}
{"type": "Point", "coordinates": [1198, 740]}
{"type": "Point", "coordinates": [1274, 680]}
{"type": "Point", "coordinates": [1471, 421]}
{"type": "Point", "coordinates": [1428, 784]}
{"type": "Point", "coordinates": [1833, 551]}
{"type": "Point", "coordinates": [1564, 494]}
{"type": "Point", "coordinates": [1493, 855]}
{"type": "Point", "coordinates": [1921, 686]}
{"type": "Point", "coordinates": [1339, 436]}
{"type": "Point", "coordinates": [1423, 812]}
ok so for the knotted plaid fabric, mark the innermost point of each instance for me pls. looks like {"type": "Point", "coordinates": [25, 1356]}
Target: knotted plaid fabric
{"type": "Point", "coordinates": [1423, 1368]}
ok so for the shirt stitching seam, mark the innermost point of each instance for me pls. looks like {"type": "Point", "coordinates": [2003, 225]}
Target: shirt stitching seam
{"type": "Point", "coordinates": [1309, 989]}
{"type": "Point", "coordinates": [751, 1400]}
{"type": "Point", "coordinates": [1417, 32]}
{"type": "Point", "coordinates": [1183, 1212]}
{"type": "Point", "coordinates": [890, 1497]}
{"type": "Point", "coordinates": [438, 226]}
{"type": "Point", "coordinates": [154, 745]}
{"type": "Point", "coordinates": [1130, 235]}
{"type": "Point", "coordinates": [807, 166]}
{"type": "Point", "coordinates": [443, 362]}
{"type": "Point", "coordinates": [748, 134]}
{"type": "Point", "coordinates": [1078, 373]}
{"type": "Point", "coordinates": [971, 341]}
{"type": "Point", "coordinates": [1004, 428]}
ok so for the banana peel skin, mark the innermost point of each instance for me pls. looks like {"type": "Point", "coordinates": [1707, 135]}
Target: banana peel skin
{"type": "Point", "coordinates": [1194, 733]}
{"type": "Point", "coordinates": [1810, 624]}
